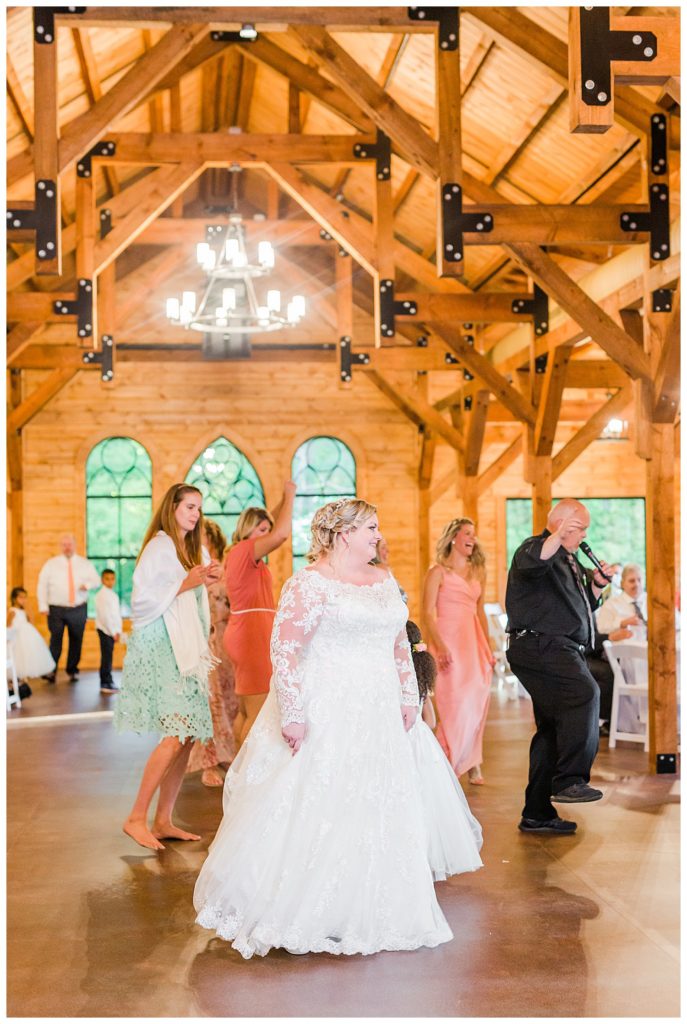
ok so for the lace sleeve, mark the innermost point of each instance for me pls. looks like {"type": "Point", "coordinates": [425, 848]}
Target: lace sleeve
{"type": "Point", "coordinates": [406, 670]}
{"type": "Point", "coordinates": [299, 612]}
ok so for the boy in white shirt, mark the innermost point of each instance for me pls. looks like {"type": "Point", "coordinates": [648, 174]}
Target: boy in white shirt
{"type": "Point", "coordinates": [108, 622]}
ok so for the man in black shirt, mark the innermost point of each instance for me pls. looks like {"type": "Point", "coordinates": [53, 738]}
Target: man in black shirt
{"type": "Point", "coordinates": [550, 600]}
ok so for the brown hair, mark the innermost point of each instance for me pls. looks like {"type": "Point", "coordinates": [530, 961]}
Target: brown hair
{"type": "Point", "coordinates": [334, 518]}
{"type": "Point", "coordinates": [215, 538]}
{"type": "Point", "coordinates": [477, 560]}
{"type": "Point", "coordinates": [248, 520]}
{"type": "Point", "coordinates": [423, 661]}
{"type": "Point", "coordinates": [189, 549]}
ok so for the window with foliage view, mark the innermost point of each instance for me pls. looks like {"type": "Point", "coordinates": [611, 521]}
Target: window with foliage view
{"type": "Point", "coordinates": [323, 470]}
{"type": "Point", "coordinates": [616, 533]}
{"type": "Point", "coordinates": [119, 485]}
{"type": "Point", "coordinates": [228, 483]}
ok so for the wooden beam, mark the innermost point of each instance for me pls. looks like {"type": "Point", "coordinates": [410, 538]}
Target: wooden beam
{"type": "Point", "coordinates": [556, 224]}
{"type": "Point", "coordinates": [349, 229]}
{"type": "Point", "coordinates": [513, 148]}
{"type": "Point", "coordinates": [20, 337]}
{"type": "Point", "coordinates": [476, 424]}
{"type": "Point", "coordinates": [574, 301]}
{"type": "Point", "coordinates": [594, 373]}
{"type": "Point", "coordinates": [85, 246]}
{"type": "Point", "coordinates": [216, 148]}
{"type": "Point", "coordinates": [344, 308]}
{"type": "Point", "coordinates": [15, 472]}
{"type": "Point", "coordinates": [591, 431]}
{"type": "Point", "coordinates": [291, 231]}
{"type": "Point", "coordinates": [487, 372]}
{"type": "Point", "coordinates": [426, 466]}
{"type": "Point", "coordinates": [450, 150]}
{"type": "Point", "coordinates": [91, 80]}
{"type": "Point", "coordinates": [667, 380]}
{"type": "Point", "coordinates": [19, 99]}
{"type": "Point", "coordinates": [418, 411]}
{"type": "Point", "coordinates": [271, 19]}
{"type": "Point", "coordinates": [492, 473]}
{"type": "Point", "coordinates": [131, 294]}
{"type": "Point", "coordinates": [39, 398]}
{"type": "Point", "coordinates": [550, 400]}
{"type": "Point", "coordinates": [405, 188]}
{"type": "Point", "coordinates": [294, 110]}
{"type": "Point", "coordinates": [485, 307]}
{"type": "Point", "coordinates": [46, 141]}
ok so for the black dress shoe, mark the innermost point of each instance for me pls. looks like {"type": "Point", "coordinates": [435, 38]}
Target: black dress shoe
{"type": "Point", "coordinates": [74, 677]}
{"type": "Point", "coordinates": [579, 793]}
{"type": "Point", "coordinates": [50, 677]}
{"type": "Point", "coordinates": [554, 826]}
{"type": "Point", "coordinates": [604, 729]}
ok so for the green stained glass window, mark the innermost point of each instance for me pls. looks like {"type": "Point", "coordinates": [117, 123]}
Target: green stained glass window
{"type": "Point", "coordinates": [228, 483]}
{"type": "Point", "coordinates": [616, 534]}
{"type": "Point", "coordinates": [119, 506]}
{"type": "Point", "coordinates": [323, 470]}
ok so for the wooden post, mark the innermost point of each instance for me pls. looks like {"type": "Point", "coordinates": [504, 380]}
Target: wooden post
{"type": "Point", "coordinates": [384, 235]}
{"type": "Point", "coordinates": [450, 165]}
{"type": "Point", "coordinates": [45, 146]}
{"type": "Point", "coordinates": [344, 307]}
{"type": "Point", "coordinates": [107, 316]}
{"type": "Point", "coordinates": [85, 248]}
{"type": "Point", "coordinates": [661, 568]}
{"type": "Point", "coordinates": [15, 500]}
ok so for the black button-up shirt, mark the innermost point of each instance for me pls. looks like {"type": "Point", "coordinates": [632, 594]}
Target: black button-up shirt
{"type": "Point", "coordinates": [542, 594]}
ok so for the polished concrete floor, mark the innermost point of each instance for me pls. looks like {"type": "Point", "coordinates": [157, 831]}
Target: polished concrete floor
{"type": "Point", "coordinates": [551, 927]}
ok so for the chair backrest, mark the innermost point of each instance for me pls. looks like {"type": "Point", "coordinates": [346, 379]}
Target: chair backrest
{"type": "Point", "coordinates": [493, 608]}
{"type": "Point", "coordinates": [630, 662]}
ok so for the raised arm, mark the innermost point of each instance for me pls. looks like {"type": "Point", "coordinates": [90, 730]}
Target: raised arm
{"type": "Point", "coordinates": [281, 531]}
{"type": "Point", "coordinates": [300, 609]}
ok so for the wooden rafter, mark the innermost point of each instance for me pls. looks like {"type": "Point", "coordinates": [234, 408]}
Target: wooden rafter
{"type": "Point", "coordinates": [549, 405]}
{"type": "Point", "coordinates": [91, 80]}
{"type": "Point", "coordinates": [416, 409]}
{"type": "Point", "coordinates": [488, 478]}
{"type": "Point", "coordinates": [591, 431]}
{"type": "Point", "coordinates": [474, 435]}
{"type": "Point", "coordinates": [39, 398]}
{"type": "Point", "coordinates": [19, 99]}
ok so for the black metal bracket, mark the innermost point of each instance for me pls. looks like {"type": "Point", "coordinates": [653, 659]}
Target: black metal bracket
{"type": "Point", "coordinates": [81, 307]}
{"type": "Point", "coordinates": [44, 21]}
{"type": "Point", "coordinates": [105, 222]}
{"type": "Point", "coordinates": [234, 37]}
{"type": "Point", "coordinates": [380, 150]}
{"type": "Point", "coordinates": [104, 358]}
{"type": "Point", "coordinates": [599, 46]}
{"type": "Point", "coordinates": [41, 218]}
{"type": "Point", "coordinates": [450, 359]}
{"type": "Point", "coordinates": [467, 375]}
{"type": "Point", "coordinates": [467, 403]}
{"type": "Point", "coordinates": [422, 341]}
{"type": "Point", "coordinates": [537, 307]}
{"type": "Point", "coordinates": [656, 222]}
{"type": "Point", "coordinates": [662, 301]}
{"type": "Point", "coordinates": [659, 143]}
{"type": "Point", "coordinates": [666, 764]}
{"type": "Point", "coordinates": [541, 362]}
{"type": "Point", "coordinates": [448, 18]}
{"type": "Point", "coordinates": [454, 222]}
{"type": "Point", "coordinates": [349, 358]}
{"type": "Point", "coordinates": [389, 308]}
{"type": "Point", "coordinates": [325, 236]}
{"type": "Point", "coordinates": [84, 167]}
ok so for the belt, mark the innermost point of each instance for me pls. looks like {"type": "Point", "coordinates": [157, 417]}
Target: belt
{"type": "Point", "coordinates": [244, 611]}
{"type": "Point", "coordinates": [519, 633]}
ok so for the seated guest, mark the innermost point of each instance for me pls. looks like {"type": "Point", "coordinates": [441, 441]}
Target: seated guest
{"type": "Point", "coordinates": [598, 665]}
{"type": "Point", "coordinates": [628, 608]}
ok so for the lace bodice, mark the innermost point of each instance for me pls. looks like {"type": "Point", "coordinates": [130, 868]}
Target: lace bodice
{"type": "Point", "coordinates": [323, 621]}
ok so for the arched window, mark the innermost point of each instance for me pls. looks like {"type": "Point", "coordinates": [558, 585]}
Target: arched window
{"type": "Point", "coordinates": [323, 470]}
{"type": "Point", "coordinates": [227, 481]}
{"type": "Point", "coordinates": [119, 487]}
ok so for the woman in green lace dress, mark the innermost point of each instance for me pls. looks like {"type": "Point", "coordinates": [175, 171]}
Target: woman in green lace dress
{"type": "Point", "coordinates": [165, 676]}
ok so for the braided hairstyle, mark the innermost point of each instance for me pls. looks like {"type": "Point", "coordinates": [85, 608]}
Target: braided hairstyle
{"type": "Point", "coordinates": [423, 661]}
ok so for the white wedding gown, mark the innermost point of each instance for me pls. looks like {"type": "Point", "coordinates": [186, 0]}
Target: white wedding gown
{"type": "Point", "coordinates": [327, 850]}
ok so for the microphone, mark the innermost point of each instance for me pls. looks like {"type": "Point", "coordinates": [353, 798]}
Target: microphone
{"type": "Point", "coordinates": [592, 558]}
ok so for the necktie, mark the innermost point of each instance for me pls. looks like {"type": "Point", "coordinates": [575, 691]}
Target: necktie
{"type": "Point", "coordinates": [70, 582]}
{"type": "Point", "coordinates": [635, 605]}
{"type": "Point", "coordinates": [576, 573]}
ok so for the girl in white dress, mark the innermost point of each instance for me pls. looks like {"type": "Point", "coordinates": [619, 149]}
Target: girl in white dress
{"type": "Point", "coordinates": [323, 845]}
{"type": "Point", "coordinates": [32, 657]}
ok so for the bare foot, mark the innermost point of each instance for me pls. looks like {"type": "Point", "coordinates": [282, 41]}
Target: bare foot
{"type": "Point", "coordinates": [212, 777]}
{"type": "Point", "coordinates": [141, 834]}
{"type": "Point", "coordinates": [170, 831]}
{"type": "Point", "coordinates": [475, 776]}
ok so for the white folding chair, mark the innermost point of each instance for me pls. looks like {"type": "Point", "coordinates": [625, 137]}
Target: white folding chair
{"type": "Point", "coordinates": [12, 698]}
{"type": "Point", "coordinates": [496, 620]}
{"type": "Point", "coordinates": [630, 707]}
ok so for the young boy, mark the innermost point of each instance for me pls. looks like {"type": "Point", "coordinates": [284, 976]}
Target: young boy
{"type": "Point", "coordinates": [108, 622]}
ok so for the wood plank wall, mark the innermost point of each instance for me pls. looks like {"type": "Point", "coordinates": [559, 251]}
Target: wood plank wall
{"type": "Point", "coordinates": [267, 411]}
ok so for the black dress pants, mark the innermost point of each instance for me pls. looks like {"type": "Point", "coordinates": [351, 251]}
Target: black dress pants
{"type": "Point", "coordinates": [603, 673]}
{"type": "Point", "coordinates": [106, 650]}
{"type": "Point", "coordinates": [74, 619]}
{"type": "Point", "coordinates": [565, 700]}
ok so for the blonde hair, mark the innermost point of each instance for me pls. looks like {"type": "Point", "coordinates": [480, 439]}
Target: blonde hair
{"type": "Point", "coordinates": [630, 567]}
{"type": "Point", "coordinates": [215, 538]}
{"type": "Point", "coordinates": [333, 519]}
{"type": "Point", "coordinates": [248, 520]}
{"type": "Point", "coordinates": [188, 550]}
{"type": "Point", "coordinates": [477, 560]}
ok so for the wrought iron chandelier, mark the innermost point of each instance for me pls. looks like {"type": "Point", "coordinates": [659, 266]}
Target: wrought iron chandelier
{"type": "Point", "coordinates": [230, 303]}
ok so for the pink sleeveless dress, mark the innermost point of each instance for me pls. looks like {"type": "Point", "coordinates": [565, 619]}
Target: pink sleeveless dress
{"type": "Point", "coordinates": [461, 692]}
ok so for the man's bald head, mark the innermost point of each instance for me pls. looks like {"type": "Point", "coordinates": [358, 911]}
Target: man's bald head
{"type": "Point", "coordinates": [68, 544]}
{"type": "Point", "coordinates": [570, 518]}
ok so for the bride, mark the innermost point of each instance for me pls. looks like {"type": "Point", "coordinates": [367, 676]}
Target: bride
{"type": "Point", "coordinates": [323, 845]}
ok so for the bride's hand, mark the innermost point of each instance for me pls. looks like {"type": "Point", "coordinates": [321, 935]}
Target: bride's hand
{"type": "Point", "coordinates": [408, 714]}
{"type": "Point", "coordinates": [294, 735]}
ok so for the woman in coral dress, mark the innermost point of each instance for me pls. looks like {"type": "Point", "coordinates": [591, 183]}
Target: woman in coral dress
{"type": "Point", "coordinates": [456, 627]}
{"type": "Point", "coordinates": [224, 705]}
{"type": "Point", "coordinates": [249, 591]}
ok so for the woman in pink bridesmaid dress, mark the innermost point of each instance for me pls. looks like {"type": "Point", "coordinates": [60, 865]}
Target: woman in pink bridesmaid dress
{"type": "Point", "coordinates": [456, 626]}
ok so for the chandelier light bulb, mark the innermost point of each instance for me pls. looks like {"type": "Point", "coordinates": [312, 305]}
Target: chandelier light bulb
{"type": "Point", "coordinates": [231, 249]}
{"type": "Point", "coordinates": [202, 251]}
{"type": "Point", "coordinates": [229, 298]}
{"type": "Point", "coordinates": [292, 313]}
{"type": "Point", "coordinates": [240, 259]}
{"type": "Point", "coordinates": [299, 305]}
{"type": "Point", "coordinates": [173, 309]}
{"type": "Point", "coordinates": [265, 254]}
{"type": "Point", "coordinates": [188, 300]}
{"type": "Point", "coordinates": [210, 261]}
{"type": "Point", "coordinates": [185, 315]}
{"type": "Point", "coordinates": [274, 300]}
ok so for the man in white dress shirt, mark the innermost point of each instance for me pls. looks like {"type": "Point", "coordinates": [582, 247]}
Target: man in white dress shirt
{"type": "Point", "coordinates": [628, 608]}
{"type": "Point", "coordinates": [63, 585]}
{"type": "Point", "coordinates": [108, 622]}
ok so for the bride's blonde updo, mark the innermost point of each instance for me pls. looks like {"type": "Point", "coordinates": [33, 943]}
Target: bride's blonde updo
{"type": "Point", "coordinates": [334, 518]}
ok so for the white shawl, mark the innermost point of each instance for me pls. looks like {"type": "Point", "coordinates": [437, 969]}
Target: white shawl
{"type": "Point", "coordinates": [157, 578]}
